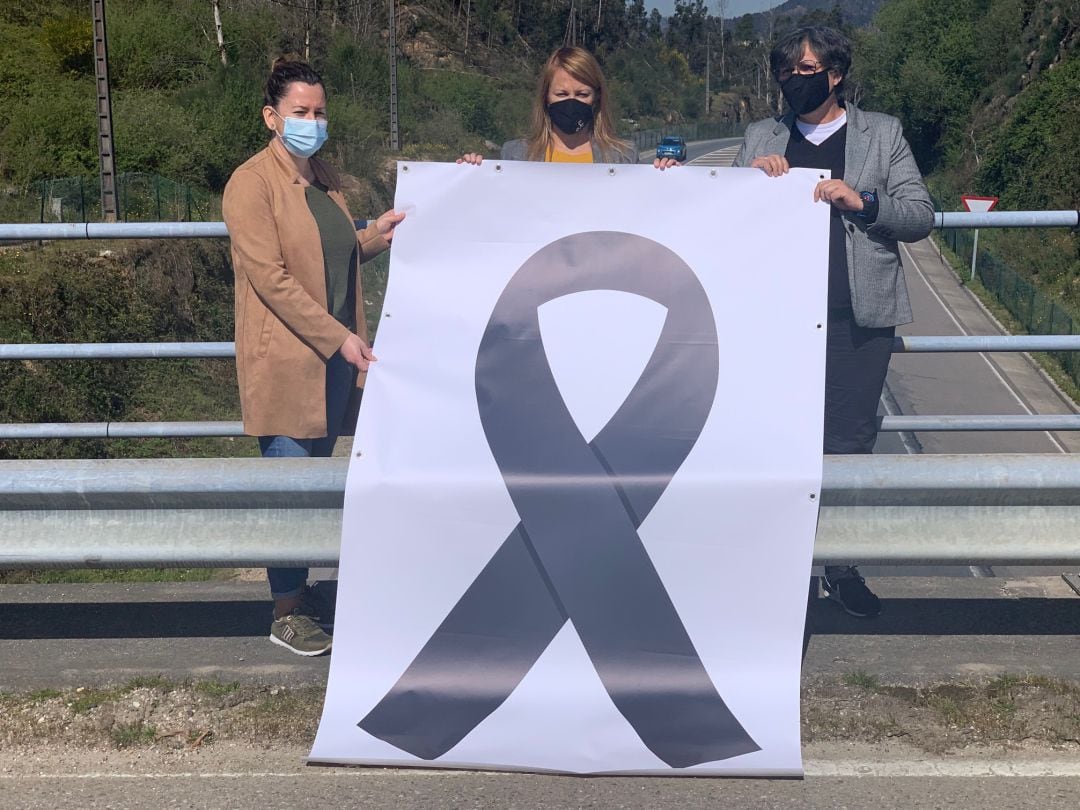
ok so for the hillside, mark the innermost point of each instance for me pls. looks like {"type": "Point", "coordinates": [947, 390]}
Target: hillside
{"type": "Point", "coordinates": [187, 110]}
{"type": "Point", "coordinates": [851, 13]}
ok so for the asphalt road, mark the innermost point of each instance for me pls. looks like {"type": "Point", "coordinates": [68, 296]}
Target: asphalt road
{"type": "Point", "coordinates": [212, 789]}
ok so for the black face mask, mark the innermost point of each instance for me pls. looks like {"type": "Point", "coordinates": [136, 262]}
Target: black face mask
{"type": "Point", "coordinates": [805, 94]}
{"type": "Point", "coordinates": [570, 116]}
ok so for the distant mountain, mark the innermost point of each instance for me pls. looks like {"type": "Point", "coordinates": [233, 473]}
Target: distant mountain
{"type": "Point", "coordinates": [856, 13]}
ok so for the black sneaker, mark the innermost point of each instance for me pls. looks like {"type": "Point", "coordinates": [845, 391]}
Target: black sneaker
{"type": "Point", "coordinates": [848, 589]}
{"type": "Point", "coordinates": [318, 602]}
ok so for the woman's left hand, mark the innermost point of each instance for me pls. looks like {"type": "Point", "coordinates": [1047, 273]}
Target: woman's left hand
{"type": "Point", "coordinates": [356, 351]}
{"type": "Point", "coordinates": [388, 222]}
{"type": "Point", "coordinates": [838, 193]}
{"type": "Point", "coordinates": [665, 163]}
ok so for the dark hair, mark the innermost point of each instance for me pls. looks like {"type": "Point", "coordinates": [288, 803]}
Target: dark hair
{"type": "Point", "coordinates": [284, 73]}
{"type": "Point", "coordinates": [832, 48]}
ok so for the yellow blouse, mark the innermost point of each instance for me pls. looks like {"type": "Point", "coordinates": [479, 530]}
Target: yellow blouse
{"type": "Point", "coordinates": [558, 156]}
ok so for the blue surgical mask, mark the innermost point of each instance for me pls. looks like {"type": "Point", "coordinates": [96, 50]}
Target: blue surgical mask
{"type": "Point", "coordinates": [303, 137]}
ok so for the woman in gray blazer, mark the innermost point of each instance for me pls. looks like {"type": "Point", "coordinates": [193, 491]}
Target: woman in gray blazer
{"type": "Point", "coordinates": [877, 198]}
{"type": "Point", "coordinates": [571, 119]}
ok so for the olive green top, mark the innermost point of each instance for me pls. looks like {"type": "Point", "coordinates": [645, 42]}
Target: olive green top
{"type": "Point", "coordinates": [339, 246]}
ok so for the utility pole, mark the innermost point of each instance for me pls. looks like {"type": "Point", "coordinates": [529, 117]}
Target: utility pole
{"type": "Point", "coordinates": [220, 36]}
{"type": "Point", "coordinates": [723, 45]}
{"type": "Point", "coordinates": [468, 17]}
{"type": "Point", "coordinates": [106, 155]}
{"type": "Point", "coordinates": [708, 70]}
{"type": "Point", "coordinates": [395, 141]}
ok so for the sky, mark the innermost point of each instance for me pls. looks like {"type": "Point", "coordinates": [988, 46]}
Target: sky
{"type": "Point", "coordinates": [735, 8]}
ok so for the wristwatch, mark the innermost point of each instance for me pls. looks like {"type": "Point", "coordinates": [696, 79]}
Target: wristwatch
{"type": "Point", "coordinates": [870, 206]}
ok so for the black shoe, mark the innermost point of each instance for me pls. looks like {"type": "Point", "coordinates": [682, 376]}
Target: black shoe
{"type": "Point", "coordinates": [848, 589]}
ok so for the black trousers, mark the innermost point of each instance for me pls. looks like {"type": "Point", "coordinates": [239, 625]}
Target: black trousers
{"type": "Point", "coordinates": [856, 360]}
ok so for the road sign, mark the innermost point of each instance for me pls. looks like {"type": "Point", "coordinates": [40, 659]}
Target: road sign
{"type": "Point", "coordinates": [978, 205]}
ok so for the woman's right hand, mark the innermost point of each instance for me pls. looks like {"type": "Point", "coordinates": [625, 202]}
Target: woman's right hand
{"type": "Point", "coordinates": [772, 165]}
{"type": "Point", "coordinates": [357, 352]}
{"type": "Point", "coordinates": [472, 158]}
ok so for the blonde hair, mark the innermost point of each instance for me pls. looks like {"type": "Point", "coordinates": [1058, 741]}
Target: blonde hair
{"type": "Point", "coordinates": [583, 67]}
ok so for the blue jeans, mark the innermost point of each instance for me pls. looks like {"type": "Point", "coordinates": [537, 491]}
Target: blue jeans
{"type": "Point", "coordinates": [340, 381]}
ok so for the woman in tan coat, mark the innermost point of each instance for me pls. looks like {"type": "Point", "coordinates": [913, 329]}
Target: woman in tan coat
{"type": "Point", "coordinates": [301, 338]}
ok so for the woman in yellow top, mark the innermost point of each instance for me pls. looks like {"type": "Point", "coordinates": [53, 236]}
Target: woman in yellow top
{"type": "Point", "coordinates": [571, 118]}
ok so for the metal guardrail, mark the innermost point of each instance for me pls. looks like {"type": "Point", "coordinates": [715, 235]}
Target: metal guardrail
{"type": "Point", "coordinates": [991, 510]}
{"type": "Point", "coordinates": [187, 230]}
{"type": "Point", "coordinates": [129, 351]}
{"type": "Point", "coordinates": [116, 351]}
{"type": "Point", "coordinates": [914, 344]}
{"type": "Point", "coordinates": [112, 230]}
{"type": "Point", "coordinates": [1007, 219]}
{"type": "Point", "coordinates": [202, 230]}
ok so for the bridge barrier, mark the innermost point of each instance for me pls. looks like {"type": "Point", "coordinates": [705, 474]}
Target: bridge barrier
{"type": "Point", "coordinates": [999, 509]}
{"type": "Point", "coordinates": [177, 430]}
{"type": "Point", "coordinates": [963, 510]}
{"type": "Point", "coordinates": [948, 220]}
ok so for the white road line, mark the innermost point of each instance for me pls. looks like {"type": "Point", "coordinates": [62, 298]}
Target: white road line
{"type": "Point", "coordinates": [318, 773]}
{"type": "Point", "coordinates": [721, 157]}
{"type": "Point", "coordinates": [887, 403]}
{"type": "Point", "coordinates": [963, 330]}
{"type": "Point", "coordinates": [814, 768]}
{"type": "Point", "coordinates": [942, 768]}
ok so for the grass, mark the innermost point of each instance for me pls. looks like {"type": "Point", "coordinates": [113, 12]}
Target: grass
{"type": "Point", "coordinates": [130, 735]}
{"type": "Point", "coordinates": [1004, 710]}
{"type": "Point", "coordinates": [148, 682]}
{"type": "Point", "coordinates": [54, 576]}
{"type": "Point", "coordinates": [863, 680]}
{"type": "Point", "coordinates": [948, 708]}
{"type": "Point", "coordinates": [42, 695]}
{"type": "Point", "coordinates": [88, 699]}
{"type": "Point", "coordinates": [216, 689]}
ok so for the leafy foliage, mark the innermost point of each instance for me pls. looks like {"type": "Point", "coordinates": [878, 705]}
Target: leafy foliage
{"type": "Point", "coordinates": [989, 93]}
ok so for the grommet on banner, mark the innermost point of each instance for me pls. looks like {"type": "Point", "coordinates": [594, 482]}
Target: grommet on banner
{"type": "Point", "coordinates": [712, 173]}
{"type": "Point", "coordinates": [611, 171]}
{"type": "Point", "coordinates": [813, 497]}
{"type": "Point", "coordinates": [498, 167]}
{"type": "Point", "coordinates": [405, 168]}
{"type": "Point", "coordinates": [819, 326]}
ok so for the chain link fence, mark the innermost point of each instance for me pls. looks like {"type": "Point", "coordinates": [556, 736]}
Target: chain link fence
{"type": "Point", "coordinates": [1037, 313]}
{"type": "Point", "coordinates": [140, 197]}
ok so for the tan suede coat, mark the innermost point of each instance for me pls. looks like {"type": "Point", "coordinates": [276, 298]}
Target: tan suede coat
{"type": "Point", "coordinates": [284, 334]}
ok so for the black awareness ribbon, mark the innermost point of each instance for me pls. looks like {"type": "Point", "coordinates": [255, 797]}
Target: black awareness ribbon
{"type": "Point", "coordinates": [576, 553]}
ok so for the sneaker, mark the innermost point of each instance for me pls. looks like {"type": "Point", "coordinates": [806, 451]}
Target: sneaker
{"type": "Point", "coordinates": [848, 589]}
{"type": "Point", "coordinates": [300, 634]}
{"type": "Point", "coordinates": [317, 602]}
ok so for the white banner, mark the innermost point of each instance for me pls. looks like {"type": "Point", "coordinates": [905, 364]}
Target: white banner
{"type": "Point", "coordinates": [580, 511]}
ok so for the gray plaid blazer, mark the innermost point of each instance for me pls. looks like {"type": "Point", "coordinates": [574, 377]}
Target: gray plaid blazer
{"type": "Point", "coordinates": [877, 158]}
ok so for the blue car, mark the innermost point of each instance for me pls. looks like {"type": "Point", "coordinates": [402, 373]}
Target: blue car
{"type": "Point", "coordinates": [672, 147]}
